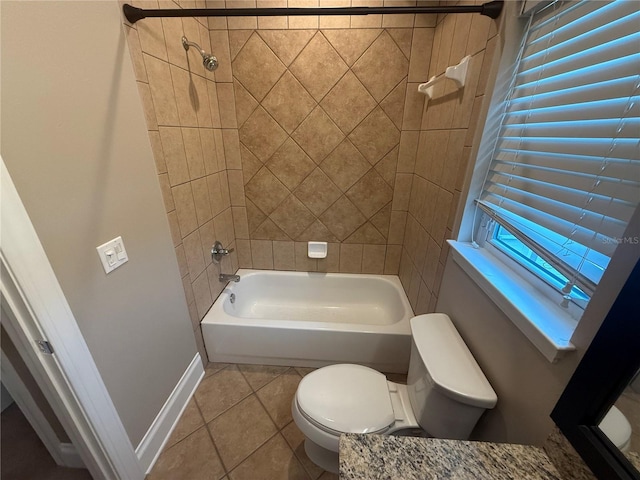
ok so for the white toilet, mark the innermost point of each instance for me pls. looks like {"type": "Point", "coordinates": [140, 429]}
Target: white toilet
{"type": "Point", "coordinates": [445, 395]}
{"type": "Point", "coordinates": [617, 428]}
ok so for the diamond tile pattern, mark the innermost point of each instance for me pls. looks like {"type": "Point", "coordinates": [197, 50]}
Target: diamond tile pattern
{"type": "Point", "coordinates": [381, 67]}
{"type": "Point", "coordinates": [288, 102]}
{"type": "Point", "coordinates": [318, 115]}
{"type": "Point", "coordinates": [257, 67]}
{"type": "Point", "coordinates": [318, 67]}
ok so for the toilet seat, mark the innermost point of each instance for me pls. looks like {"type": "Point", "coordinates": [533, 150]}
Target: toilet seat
{"type": "Point", "coordinates": [346, 398]}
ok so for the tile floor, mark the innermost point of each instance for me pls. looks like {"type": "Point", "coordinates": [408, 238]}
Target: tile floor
{"type": "Point", "coordinates": [238, 426]}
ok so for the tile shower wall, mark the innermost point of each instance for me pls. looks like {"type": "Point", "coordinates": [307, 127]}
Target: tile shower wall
{"type": "Point", "coordinates": [180, 101]}
{"type": "Point", "coordinates": [310, 129]}
{"type": "Point", "coordinates": [435, 153]}
{"type": "Point", "coordinates": [315, 108]}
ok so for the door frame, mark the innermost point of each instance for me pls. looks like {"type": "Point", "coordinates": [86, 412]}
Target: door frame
{"type": "Point", "coordinates": [69, 377]}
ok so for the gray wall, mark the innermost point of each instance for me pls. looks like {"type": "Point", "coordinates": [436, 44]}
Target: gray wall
{"type": "Point", "coordinates": [74, 141]}
{"type": "Point", "coordinates": [527, 384]}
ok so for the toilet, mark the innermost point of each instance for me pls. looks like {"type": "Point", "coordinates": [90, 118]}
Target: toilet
{"type": "Point", "coordinates": [445, 395]}
{"type": "Point", "coordinates": [617, 428]}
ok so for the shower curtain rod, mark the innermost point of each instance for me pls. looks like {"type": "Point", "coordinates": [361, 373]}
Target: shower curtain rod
{"type": "Point", "coordinates": [133, 14]}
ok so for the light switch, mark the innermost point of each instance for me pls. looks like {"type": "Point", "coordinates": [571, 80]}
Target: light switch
{"type": "Point", "coordinates": [112, 254]}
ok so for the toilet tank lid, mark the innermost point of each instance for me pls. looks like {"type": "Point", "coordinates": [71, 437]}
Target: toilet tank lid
{"type": "Point", "coordinates": [452, 368]}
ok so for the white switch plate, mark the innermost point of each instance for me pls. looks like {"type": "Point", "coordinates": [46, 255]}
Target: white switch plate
{"type": "Point", "coordinates": [112, 254]}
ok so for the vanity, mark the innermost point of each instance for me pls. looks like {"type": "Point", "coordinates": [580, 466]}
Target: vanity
{"type": "Point", "coordinates": [374, 457]}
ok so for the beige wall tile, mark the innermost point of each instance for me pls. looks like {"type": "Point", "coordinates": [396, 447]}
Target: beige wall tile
{"type": "Point", "coordinates": [242, 23]}
{"type": "Point", "coordinates": [193, 152]}
{"type": "Point", "coordinates": [396, 228]}
{"type": "Point", "coordinates": [147, 105]}
{"type": "Point", "coordinates": [350, 258]}
{"type": "Point", "coordinates": [413, 107]}
{"type": "Point", "coordinates": [195, 257]}
{"type": "Point", "coordinates": [174, 228]}
{"type": "Point", "coordinates": [366, 21]}
{"type": "Point", "coordinates": [223, 226]}
{"type": "Point", "coordinates": [240, 224]}
{"type": "Point", "coordinates": [272, 23]}
{"type": "Point", "coordinates": [136, 54]}
{"type": "Point", "coordinates": [303, 262]}
{"type": "Point", "coordinates": [299, 22]}
{"type": "Point", "coordinates": [202, 294]}
{"type": "Point", "coordinates": [284, 255]}
{"type": "Point", "coordinates": [262, 254]}
{"type": "Point", "coordinates": [216, 23]}
{"type": "Point", "coordinates": [330, 264]}
{"type": "Point", "coordinates": [201, 200]}
{"type": "Point", "coordinates": [392, 259]}
{"type": "Point", "coordinates": [182, 261]}
{"type": "Point", "coordinates": [207, 238]}
{"type": "Point", "coordinates": [243, 247]}
{"type": "Point", "coordinates": [424, 298]}
{"type": "Point", "coordinates": [220, 48]}
{"type": "Point", "coordinates": [182, 86]}
{"type": "Point", "coordinates": [335, 21]}
{"type": "Point", "coordinates": [158, 152]}
{"type": "Point", "coordinates": [162, 92]}
{"type": "Point", "coordinates": [185, 208]}
{"type": "Point", "coordinates": [373, 259]}
{"type": "Point", "coordinates": [213, 104]}
{"type": "Point", "coordinates": [232, 149]}
{"type": "Point", "coordinates": [421, 48]}
{"type": "Point", "coordinates": [152, 38]}
{"type": "Point", "coordinates": [173, 32]}
{"type": "Point", "coordinates": [236, 188]}
{"type": "Point", "coordinates": [226, 105]}
{"type": "Point", "coordinates": [407, 152]}
{"type": "Point", "coordinates": [201, 101]}
{"type": "Point", "coordinates": [402, 192]}
{"type": "Point", "coordinates": [224, 189]}
{"type": "Point", "coordinates": [165, 188]}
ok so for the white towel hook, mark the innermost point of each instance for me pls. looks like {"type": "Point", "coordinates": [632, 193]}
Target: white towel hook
{"type": "Point", "coordinates": [457, 73]}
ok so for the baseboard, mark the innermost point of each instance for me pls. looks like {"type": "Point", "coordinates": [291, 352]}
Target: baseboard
{"type": "Point", "coordinates": [166, 420]}
{"type": "Point", "coordinates": [70, 456]}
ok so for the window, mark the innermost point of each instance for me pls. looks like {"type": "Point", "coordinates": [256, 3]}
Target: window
{"type": "Point", "coordinates": [564, 169]}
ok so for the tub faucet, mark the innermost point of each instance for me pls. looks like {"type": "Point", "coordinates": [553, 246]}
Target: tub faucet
{"type": "Point", "coordinates": [227, 277]}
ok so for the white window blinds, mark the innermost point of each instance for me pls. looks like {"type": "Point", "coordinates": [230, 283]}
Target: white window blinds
{"type": "Point", "coordinates": [565, 172]}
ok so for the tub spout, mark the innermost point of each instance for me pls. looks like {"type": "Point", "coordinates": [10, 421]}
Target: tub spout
{"type": "Point", "coordinates": [226, 277]}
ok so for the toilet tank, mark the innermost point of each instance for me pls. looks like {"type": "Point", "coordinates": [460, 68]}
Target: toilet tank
{"type": "Point", "coordinates": [447, 390]}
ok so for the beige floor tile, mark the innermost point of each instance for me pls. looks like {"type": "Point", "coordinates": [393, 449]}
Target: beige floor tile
{"type": "Point", "coordinates": [214, 367]}
{"type": "Point", "coordinates": [303, 371]}
{"type": "Point", "coordinates": [241, 430]}
{"type": "Point", "coordinates": [193, 458]}
{"type": "Point", "coordinates": [221, 391]}
{"type": "Point", "coordinates": [295, 439]}
{"type": "Point", "coordinates": [273, 461]}
{"type": "Point", "coordinates": [189, 422]}
{"type": "Point", "coordinates": [259, 375]}
{"type": "Point", "coordinates": [276, 396]}
{"type": "Point", "coordinates": [328, 476]}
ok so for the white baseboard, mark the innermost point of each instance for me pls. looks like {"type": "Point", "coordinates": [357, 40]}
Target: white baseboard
{"type": "Point", "coordinates": [70, 456]}
{"type": "Point", "coordinates": [154, 440]}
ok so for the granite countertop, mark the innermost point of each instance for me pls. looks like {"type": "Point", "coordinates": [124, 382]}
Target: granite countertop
{"type": "Point", "coordinates": [374, 457]}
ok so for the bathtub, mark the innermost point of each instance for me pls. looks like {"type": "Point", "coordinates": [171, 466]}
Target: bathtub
{"type": "Point", "coordinates": [310, 320]}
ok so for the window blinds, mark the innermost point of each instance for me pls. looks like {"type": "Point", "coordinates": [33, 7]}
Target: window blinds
{"type": "Point", "coordinates": [565, 172]}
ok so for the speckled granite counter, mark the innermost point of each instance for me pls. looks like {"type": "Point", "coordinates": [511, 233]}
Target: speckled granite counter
{"type": "Point", "coordinates": [374, 457]}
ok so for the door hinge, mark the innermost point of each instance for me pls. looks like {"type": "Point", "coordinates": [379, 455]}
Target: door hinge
{"type": "Point", "coordinates": [45, 347]}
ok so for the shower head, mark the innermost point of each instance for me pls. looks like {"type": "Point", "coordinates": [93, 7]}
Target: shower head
{"type": "Point", "coordinates": [209, 61]}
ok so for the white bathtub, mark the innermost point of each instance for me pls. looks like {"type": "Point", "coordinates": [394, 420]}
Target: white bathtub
{"type": "Point", "coordinates": [310, 320]}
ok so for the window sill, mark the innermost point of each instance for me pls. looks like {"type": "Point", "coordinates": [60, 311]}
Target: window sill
{"type": "Point", "coordinates": [544, 323]}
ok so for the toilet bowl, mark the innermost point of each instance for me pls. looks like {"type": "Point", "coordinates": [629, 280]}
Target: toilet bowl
{"type": "Point", "coordinates": [617, 428]}
{"type": "Point", "coordinates": [445, 395]}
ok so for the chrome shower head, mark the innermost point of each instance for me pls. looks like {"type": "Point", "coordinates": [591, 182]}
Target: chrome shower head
{"type": "Point", "coordinates": [209, 61]}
